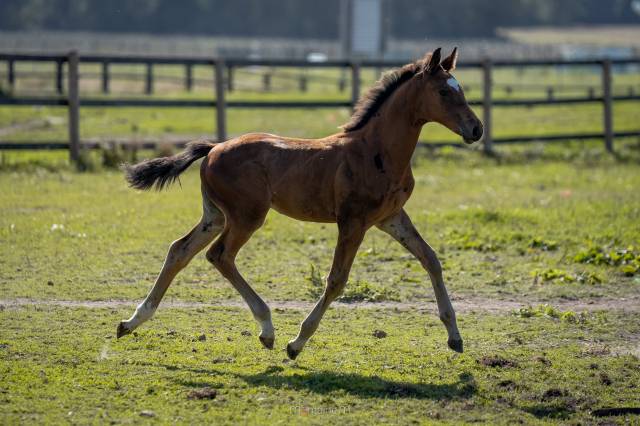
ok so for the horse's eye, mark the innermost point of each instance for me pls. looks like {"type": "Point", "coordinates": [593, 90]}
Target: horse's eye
{"type": "Point", "coordinates": [444, 92]}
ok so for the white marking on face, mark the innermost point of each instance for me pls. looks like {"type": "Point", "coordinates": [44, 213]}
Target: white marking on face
{"type": "Point", "coordinates": [454, 83]}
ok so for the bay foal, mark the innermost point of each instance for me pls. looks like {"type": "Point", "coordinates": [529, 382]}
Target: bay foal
{"type": "Point", "coordinates": [358, 178]}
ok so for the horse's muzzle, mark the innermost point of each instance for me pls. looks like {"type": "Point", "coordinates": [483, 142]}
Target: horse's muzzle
{"type": "Point", "coordinates": [473, 132]}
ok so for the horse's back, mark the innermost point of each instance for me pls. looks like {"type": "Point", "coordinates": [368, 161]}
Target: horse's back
{"type": "Point", "coordinates": [296, 176]}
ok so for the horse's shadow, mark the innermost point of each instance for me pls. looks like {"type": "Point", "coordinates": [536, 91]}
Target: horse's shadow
{"type": "Point", "coordinates": [363, 386]}
{"type": "Point", "coordinates": [324, 382]}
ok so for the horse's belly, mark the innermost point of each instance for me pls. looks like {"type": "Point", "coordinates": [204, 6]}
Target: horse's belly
{"type": "Point", "coordinates": [309, 207]}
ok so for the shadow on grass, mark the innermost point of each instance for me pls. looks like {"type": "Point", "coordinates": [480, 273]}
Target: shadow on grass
{"type": "Point", "coordinates": [323, 382]}
{"type": "Point", "coordinates": [553, 411]}
{"type": "Point", "coordinates": [363, 386]}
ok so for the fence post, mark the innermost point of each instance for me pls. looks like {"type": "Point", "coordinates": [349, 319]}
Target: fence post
{"type": "Point", "coordinates": [11, 73]}
{"type": "Point", "coordinates": [74, 107]}
{"type": "Point", "coordinates": [550, 93]}
{"type": "Point", "coordinates": [607, 99]}
{"type": "Point", "coordinates": [221, 105]}
{"type": "Point", "coordinates": [266, 82]}
{"type": "Point", "coordinates": [355, 83]}
{"type": "Point", "coordinates": [302, 83]}
{"type": "Point", "coordinates": [188, 77]}
{"type": "Point", "coordinates": [105, 77]}
{"type": "Point", "coordinates": [149, 80]}
{"type": "Point", "coordinates": [230, 78]}
{"type": "Point", "coordinates": [486, 106]}
{"type": "Point", "coordinates": [59, 64]}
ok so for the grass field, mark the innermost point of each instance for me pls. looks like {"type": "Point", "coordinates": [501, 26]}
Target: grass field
{"type": "Point", "coordinates": [25, 124]}
{"type": "Point", "coordinates": [495, 227]}
{"type": "Point", "coordinates": [22, 124]}
{"type": "Point", "coordinates": [64, 366]}
{"type": "Point", "coordinates": [540, 248]}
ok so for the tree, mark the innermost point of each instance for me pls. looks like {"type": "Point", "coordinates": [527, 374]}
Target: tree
{"type": "Point", "coordinates": [303, 18]}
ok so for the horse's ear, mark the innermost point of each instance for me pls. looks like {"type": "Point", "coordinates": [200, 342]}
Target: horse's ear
{"type": "Point", "coordinates": [434, 62]}
{"type": "Point", "coordinates": [449, 64]}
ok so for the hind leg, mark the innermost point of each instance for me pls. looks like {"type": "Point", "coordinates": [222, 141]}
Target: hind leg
{"type": "Point", "coordinates": [222, 255]}
{"type": "Point", "coordinates": [180, 254]}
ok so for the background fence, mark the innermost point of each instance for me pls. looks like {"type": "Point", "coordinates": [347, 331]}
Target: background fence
{"type": "Point", "coordinates": [223, 70]}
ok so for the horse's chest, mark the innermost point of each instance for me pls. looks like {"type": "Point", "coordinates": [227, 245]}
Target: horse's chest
{"type": "Point", "coordinates": [394, 197]}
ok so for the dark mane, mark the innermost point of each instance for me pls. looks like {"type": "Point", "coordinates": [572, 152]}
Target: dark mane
{"type": "Point", "coordinates": [371, 101]}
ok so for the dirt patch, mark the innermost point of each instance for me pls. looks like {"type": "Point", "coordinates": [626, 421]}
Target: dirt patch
{"type": "Point", "coordinates": [605, 379]}
{"type": "Point", "coordinates": [553, 393]}
{"type": "Point", "coordinates": [631, 347]}
{"type": "Point", "coordinates": [204, 393]}
{"type": "Point", "coordinates": [468, 305]}
{"type": "Point", "coordinates": [596, 350]}
{"type": "Point", "coordinates": [507, 384]}
{"type": "Point", "coordinates": [380, 334]}
{"type": "Point", "coordinates": [621, 411]}
{"type": "Point", "coordinates": [496, 361]}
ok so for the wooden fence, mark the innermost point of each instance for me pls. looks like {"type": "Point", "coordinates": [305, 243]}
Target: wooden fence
{"type": "Point", "coordinates": [223, 70]}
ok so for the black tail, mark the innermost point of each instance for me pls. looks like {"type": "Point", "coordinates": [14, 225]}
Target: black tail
{"type": "Point", "coordinates": [164, 171]}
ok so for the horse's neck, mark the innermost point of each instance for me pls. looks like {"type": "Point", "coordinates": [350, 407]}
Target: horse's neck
{"type": "Point", "coordinates": [395, 130]}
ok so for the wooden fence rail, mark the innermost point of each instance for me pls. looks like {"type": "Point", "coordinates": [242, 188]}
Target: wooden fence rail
{"type": "Point", "coordinates": [74, 107]}
{"type": "Point", "coordinates": [223, 80]}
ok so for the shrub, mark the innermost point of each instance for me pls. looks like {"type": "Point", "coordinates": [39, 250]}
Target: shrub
{"type": "Point", "coordinates": [628, 259]}
{"type": "Point", "coordinates": [540, 244]}
{"type": "Point", "coordinates": [551, 312]}
{"type": "Point", "coordinates": [470, 242]}
{"type": "Point", "coordinates": [358, 291]}
{"type": "Point", "coordinates": [363, 291]}
{"type": "Point", "coordinates": [112, 156]}
{"type": "Point", "coordinates": [86, 162]}
{"type": "Point", "coordinates": [552, 274]}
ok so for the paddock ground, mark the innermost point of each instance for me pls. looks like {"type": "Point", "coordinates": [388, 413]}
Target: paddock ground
{"type": "Point", "coordinates": [540, 250]}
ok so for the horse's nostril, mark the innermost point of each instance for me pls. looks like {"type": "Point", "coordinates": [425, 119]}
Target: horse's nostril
{"type": "Point", "coordinates": [476, 132]}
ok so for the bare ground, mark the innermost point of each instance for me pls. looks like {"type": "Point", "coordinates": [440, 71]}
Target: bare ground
{"type": "Point", "coordinates": [629, 304]}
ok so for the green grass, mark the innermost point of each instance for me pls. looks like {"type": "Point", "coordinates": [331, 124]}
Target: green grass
{"type": "Point", "coordinates": [556, 224]}
{"type": "Point", "coordinates": [63, 365]}
{"type": "Point", "coordinates": [28, 124]}
{"type": "Point", "coordinates": [492, 225]}
{"type": "Point", "coordinates": [505, 230]}
{"type": "Point", "coordinates": [50, 123]}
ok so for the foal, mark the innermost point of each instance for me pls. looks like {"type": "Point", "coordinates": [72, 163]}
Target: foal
{"type": "Point", "coordinates": [358, 178]}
